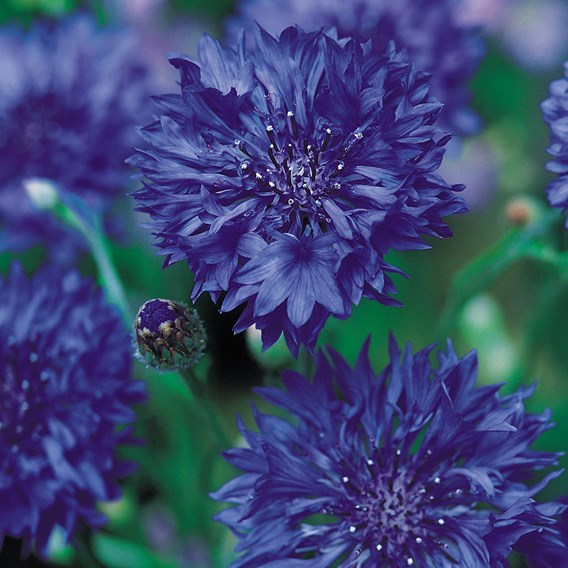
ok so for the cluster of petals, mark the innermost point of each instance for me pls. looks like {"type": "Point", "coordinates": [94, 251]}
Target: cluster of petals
{"type": "Point", "coordinates": [66, 401]}
{"type": "Point", "coordinates": [432, 31]}
{"type": "Point", "coordinates": [284, 172]}
{"type": "Point", "coordinates": [415, 466]}
{"type": "Point", "coordinates": [70, 95]}
{"type": "Point", "coordinates": [555, 112]}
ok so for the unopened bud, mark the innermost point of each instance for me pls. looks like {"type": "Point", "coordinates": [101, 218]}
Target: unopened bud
{"type": "Point", "coordinates": [522, 210]}
{"type": "Point", "coordinates": [169, 334]}
{"type": "Point", "coordinates": [42, 193]}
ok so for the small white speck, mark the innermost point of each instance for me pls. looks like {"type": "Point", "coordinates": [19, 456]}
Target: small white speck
{"type": "Point", "coordinates": [358, 135]}
{"type": "Point", "coordinates": [269, 128]}
{"type": "Point", "coordinates": [422, 491]}
{"type": "Point", "coordinates": [409, 561]}
{"type": "Point", "coordinates": [370, 462]}
{"type": "Point", "coordinates": [258, 176]}
{"type": "Point", "coordinates": [398, 452]}
{"type": "Point", "coordinates": [289, 113]}
{"type": "Point", "coordinates": [352, 529]}
{"type": "Point", "coordinates": [271, 184]}
{"type": "Point", "coordinates": [244, 166]}
{"type": "Point", "coordinates": [290, 202]}
{"type": "Point", "coordinates": [328, 130]}
{"type": "Point", "coordinates": [340, 167]}
{"type": "Point", "coordinates": [441, 522]}
{"type": "Point", "coordinates": [418, 540]}
{"type": "Point", "coordinates": [437, 480]}
{"type": "Point", "coordinates": [345, 479]}
{"type": "Point", "coordinates": [379, 547]}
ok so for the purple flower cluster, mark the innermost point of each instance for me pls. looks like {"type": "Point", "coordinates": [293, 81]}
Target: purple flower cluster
{"type": "Point", "coordinates": [70, 94]}
{"type": "Point", "coordinates": [66, 387]}
{"type": "Point", "coordinates": [415, 466]}
{"type": "Point", "coordinates": [555, 111]}
{"type": "Point", "coordinates": [285, 171]}
{"type": "Point", "coordinates": [431, 30]}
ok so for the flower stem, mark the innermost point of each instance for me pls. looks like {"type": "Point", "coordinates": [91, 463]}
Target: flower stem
{"type": "Point", "coordinates": [484, 269]}
{"type": "Point", "coordinates": [84, 551]}
{"type": "Point", "coordinates": [197, 389]}
{"type": "Point", "coordinates": [76, 213]}
{"type": "Point", "coordinates": [108, 274]}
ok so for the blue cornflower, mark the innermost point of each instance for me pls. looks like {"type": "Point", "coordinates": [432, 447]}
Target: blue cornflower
{"type": "Point", "coordinates": [285, 172]}
{"type": "Point", "coordinates": [555, 111]}
{"type": "Point", "coordinates": [66, 386]}
{"type": "Point", "coordinates": [431, 30]}
{"type": "Point", "coordinates": [415, 466]}
{"type": "Point", "coordinates": [70, 94]}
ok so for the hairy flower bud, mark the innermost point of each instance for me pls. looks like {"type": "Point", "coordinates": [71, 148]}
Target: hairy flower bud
{"type": "Point", "coordinates": [169, 335]}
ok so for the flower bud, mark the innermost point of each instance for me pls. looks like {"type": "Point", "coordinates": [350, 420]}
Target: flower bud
{"type": "Point", "coordinates": [169, 334]}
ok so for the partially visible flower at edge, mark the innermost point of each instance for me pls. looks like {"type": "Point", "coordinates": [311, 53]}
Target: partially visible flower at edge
{"type": "Point", "coordinates": [70, 95]}
{"type": "Point", "coordinates": [414, 466]}
{"type": "Point", "coordinates": [436, 37]}
{"type": "Point", "coordinates": [65, 404]}
{"type": "Point", "coordinates": [555, 113]}
{"type": "Point", "coordinates": [285, 173]}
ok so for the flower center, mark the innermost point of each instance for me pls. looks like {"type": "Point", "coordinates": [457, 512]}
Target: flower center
{"type": "Point", "coordinates": [40, 135]}
{"type": "Point", "coordinates": [300, 170]}
{"type": "Point", "coordinates": [389, 518]}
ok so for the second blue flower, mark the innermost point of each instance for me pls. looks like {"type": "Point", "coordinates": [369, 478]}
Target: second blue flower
{"type": "Point", "coordinates": [285, 171]}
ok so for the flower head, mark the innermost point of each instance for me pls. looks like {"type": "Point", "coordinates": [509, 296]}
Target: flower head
{"type": "Point", "coordinates": [437, 39]}
{"type": "Point", "coordinates": [555, 114]}
{"type": "Point", "coordinates": [414, 467]}
{"type": "Point", "coordinates": [70, 94]}
{"type": "Point", "coordinates": [169, 334]}
{"type": "Point", "coordinates": [284, 173]}
{"type": "Point", "coordinates": [66, 386]}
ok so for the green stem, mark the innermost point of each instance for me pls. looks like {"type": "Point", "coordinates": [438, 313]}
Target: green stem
{"type": "Point", "coordinates": [197, 389]}
{"type": "Point", "coordinates": [84, 551]}
{"type": "Point", "coordinates": [98, 245]}
{"type": "Point", "coordinates": [483, 270]}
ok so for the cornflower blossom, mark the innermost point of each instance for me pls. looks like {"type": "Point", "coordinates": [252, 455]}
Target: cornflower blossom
{"type": "Point", "coordinates": [66, 387]}
{"type": "Point", "coordinates": [415, 466]}
{"type": "Point", "coordinates": [434, 32]}
{"type": "Point", "coordinates": [555, 112]}
{"type": "Point", "coordinates": [284, 173]}
{"type": "Point", "coordinates": [70, 94]}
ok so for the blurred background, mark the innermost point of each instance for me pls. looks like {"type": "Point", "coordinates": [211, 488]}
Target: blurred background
{"type": "Point", "coordinates": [478, 287]}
